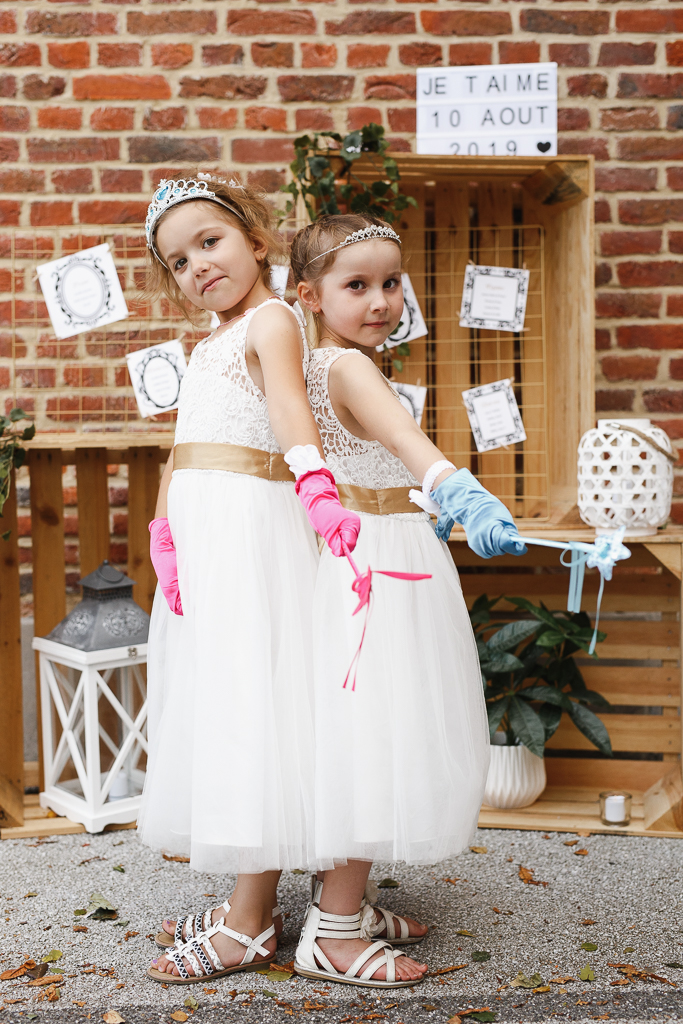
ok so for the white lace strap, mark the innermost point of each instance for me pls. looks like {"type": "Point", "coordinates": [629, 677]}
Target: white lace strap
{"type": "Point", "coordinates": [338, 926]}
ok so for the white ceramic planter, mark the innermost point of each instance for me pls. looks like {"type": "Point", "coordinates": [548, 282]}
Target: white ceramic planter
{"type": "Point", "coordinates": [516, 777]}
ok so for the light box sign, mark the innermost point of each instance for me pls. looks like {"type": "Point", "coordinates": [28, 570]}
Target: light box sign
{"type": "Point", "coordinates": [487, 110]}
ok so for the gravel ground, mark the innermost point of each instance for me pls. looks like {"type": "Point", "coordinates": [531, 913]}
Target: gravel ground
{"type": "Point", "coordinates": [624, 896]}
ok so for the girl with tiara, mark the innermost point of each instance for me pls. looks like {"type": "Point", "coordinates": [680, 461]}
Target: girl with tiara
{"type": "Point", "coordinates": [402, 755]}
{"type": "Point", "coordinates": [231, 760]}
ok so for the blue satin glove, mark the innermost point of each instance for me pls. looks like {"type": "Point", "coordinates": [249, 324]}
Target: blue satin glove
{"type": "Point", "coordinates": [489, 526]}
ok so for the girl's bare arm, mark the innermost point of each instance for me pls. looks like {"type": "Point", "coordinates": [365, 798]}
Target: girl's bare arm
{"type": "Point", "coordinates": [161, 510]}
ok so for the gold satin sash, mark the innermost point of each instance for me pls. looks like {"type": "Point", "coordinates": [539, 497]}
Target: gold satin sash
{"type": "Point", "coordinates": [233, 458]}
{"type": "Point", "coordinates": [384, 502]}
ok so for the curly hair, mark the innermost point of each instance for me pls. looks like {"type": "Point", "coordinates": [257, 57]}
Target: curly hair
{"type": "Point", "coordinates": [257, 225]}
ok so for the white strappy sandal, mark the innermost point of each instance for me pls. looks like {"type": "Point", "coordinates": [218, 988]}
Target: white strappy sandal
{"type": "Point", "coordinates": [198, 923]}
{"type": "Point", "coordinates": [370, 926]}
{"type": "Point", "coordinates": [311, 962]}
{"type": "Point", "coordinates": [205, 962]}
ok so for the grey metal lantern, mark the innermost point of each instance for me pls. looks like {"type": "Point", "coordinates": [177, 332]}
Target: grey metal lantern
{"type": "Point", "coordinates": [93, 697]}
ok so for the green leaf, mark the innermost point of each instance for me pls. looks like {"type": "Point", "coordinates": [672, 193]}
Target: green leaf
{"type": "Point", "coordinates": [480, 956]}
{"type": "Point", "coordinates": [495, 713]}
{"type": "Point", "coordinates": [675, 964]}
{"type": "Point", "coordinates": [483, 1016]}
{"type": "Point", "coordinates": [52, 956]}
{"type": "Point", "coordinates": [510, 635]}
{"type": "Point", "coordinates": [546, 693]}
{"type": "Point", "coordinates": [119, 867]}
{"type": "Point", "coordinates": [6, 535]}
{"type": "Point", "coordinates": [586, 973]}
{"type": "Point", "coordinates": [591, 727]}
{"type": "Point", "coordinates": [590, 947]}
{"type": "Point", "coordinates": [551, 717]}
{"type": "Point", "coordinates": [388, 883]}
{"type": "Point", "coordinates": [521, 981]}
{"type": "Point", "coordinates": [526, 726]}
{"type": "Point", "coordinates": [501, 663]}
{"type": "Point", "coordinates": [630, 949]}
{"type": "Point", "coordinates": [550, 638]}
{"type": "Point", "coordinates": [464, 931]}
{"type": "Point", "coordinates": [540, 613]}
{"type": "Point", "coordinates": [191, 1002]}
{"type": "Point", "coordinates": [265, 991]}
{"type": "Point", "coordinates": [398, 365]}
{"type": "Point", "coordinates": [18, 414]}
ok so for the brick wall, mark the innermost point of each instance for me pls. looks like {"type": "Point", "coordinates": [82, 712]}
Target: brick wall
{"type": "Point", "coordinates": [99, 98]}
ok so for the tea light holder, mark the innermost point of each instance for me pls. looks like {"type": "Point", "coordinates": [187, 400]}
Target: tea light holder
{"type": "Point", "coordinates": [615, 808]}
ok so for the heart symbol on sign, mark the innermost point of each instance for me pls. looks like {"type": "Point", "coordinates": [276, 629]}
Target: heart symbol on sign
{"type": "Point", "coordinates": [543, 147]}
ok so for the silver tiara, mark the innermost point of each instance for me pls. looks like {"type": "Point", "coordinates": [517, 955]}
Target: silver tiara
{"type": "Point", "coordinates": [170, 193]}
{"type": "Point", "coordinates": [371, 231]}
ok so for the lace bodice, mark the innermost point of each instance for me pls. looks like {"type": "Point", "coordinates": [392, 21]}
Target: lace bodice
{"type": "Point", "coordinates": [352, 460]}
{"type": "Point", "coordinates": [219, 402]}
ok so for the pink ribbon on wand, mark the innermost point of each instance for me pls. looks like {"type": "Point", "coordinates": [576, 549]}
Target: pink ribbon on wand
{"type": "Point", "coordinates": [362, 587]}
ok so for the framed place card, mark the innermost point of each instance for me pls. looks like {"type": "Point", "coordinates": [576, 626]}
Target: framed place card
{"type": "Point", "coordinates": [413, 398]}
{"type": "Point", "coordinates": [82, 291]}
{"type": "Point", "coordinates": [412, 323]}
{"type": "Point", "coordinates": [494, 298]}
{"type": "Point", "coordinates": [494, 415]}
{"type": "Point", "coordinates": [156, 374]}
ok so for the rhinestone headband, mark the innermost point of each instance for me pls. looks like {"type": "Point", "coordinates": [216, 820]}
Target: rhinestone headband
{"type": "Point", "coordinates": [371, 231]}
{"type": "Point", "coordinates": [171, 193]}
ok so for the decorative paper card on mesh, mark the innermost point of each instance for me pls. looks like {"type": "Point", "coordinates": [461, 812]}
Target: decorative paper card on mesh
{"type": "Point", "coordinates": [494, 298]}
{"type": "Point", "coordinates": [494, 415]}
{"type": "Point", "coordinates": [82, 291]}
{"type": "Point", "coordinates": [156, 374]}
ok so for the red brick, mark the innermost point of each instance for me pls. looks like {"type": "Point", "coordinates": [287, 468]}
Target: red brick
{"type": "Point", "coordinates": [112, 119]}
{"type": "Point", "coordinates": [14, 119]}
{"type": "Point", "coordinates": [35, 87]}
{"type": "Point", "coordinates": [526, 52]}
{"type": "Point", "coordinates": [650, 86]}
{"type": "Point", "coordinates": [628, 119]}
{"type": "Point", "coordinates": [602, 275]}
{"type": "Point", "coordinates": [8, 21]}
{"type": "Point", "coordinates": [674, 178]}
{"type": "Point", "coordinates": [272, 55]}
{"type": "Point", "coordinates": [168, 119]}
{"type": "Point", "coordinates": [365, 55]}
{"type": "Point", "coordinates": [36, 377]}
{"type": "Point", "coordinates": [120, 524]}
{"type": "Point", "coordinates": [674, 53]}
{"type": "Point", "coordinates": [217, 117]}
{"type": "Point", "coordinates": [399, 145]}
{"type": "Point", "coordinates": [84, 376]}
{"type": "Point", "coordinates": [402, 119]}
{"type": "Point", "coordinates": [9, 150]}
{"type": "Point", "coordinates": [61, 118]}
{"type": "Point", "coordinates": [466, 23]}
{"type": "Point", "coordinates": [643, 21]}
{"type": "Point", "coordinates": [8, 87]}
{"type": "Point", "coordinates": [676, 369]}
{"type": "Point", "coordinates": [317, 119]}
{"type": "Point", "coordinates": [318, 55]}
{"type": "Point", "coordinates": [656, 336]}
{"type": "Point", "coordinates": [617, 368]}
{"type": "Point", "coordinates": [598, 147]}
{"type": "Point", "coordinates": [615, 55]}
{"type": "Point", "coordinates": [602, 339]}
{"type": "Point", "coordinates": [650, 211]}
{"type": "Point", "coordinates": [194, 23]}
{"type": "Point", "coordinates": [72, 151]}
{"type": "Point", "coordinates": [625, 179]}
{"type": "Point", "coordinates": [54, 212]}
{"type": "Point", "coordinates": [570, 55]}
{"type": "Point", "coordinates": [650, 148]}
{"type": "Point", "coordinates": [469, 53]}
{"type": "Point", "coordinates": [619, 304]}
{"type": "Point", "coordinates": [364, 23]}
{"type": "Point", "coordinates": [356, 117]}
{"type": "Point", "coordinates": [573, 119]}
{"type": "Point", "coordinates": [73, 23]}
{"type": "Point", "coordinates": [328, 88]}
{"type": "Point", "coordinates": [21, 180]}
{"type": "Point", "coordinates": [109, 211]}
{"type": "Point", "coordinates": [20, 55]}
{"type": "Point", "coordinates": [277, 23]}
{"type": "Point", "coordinates": [390, 87]}
{"type": "Point", "coordinates": [119, 55]}
{"type": "Point", "coordinates": [75, 180]}
{"type": "Point", "coordinates": [626, 243]}
{"type": "Point", "coordinates": [674, 305]}
{"type": "Point", "coordinates": [150, 150]}
{"type": "Point", "coordinates": [121, 87]}
{"type": "Point", "coordinates": [668, 273]}
{"type": "Point", "coordinates": [9, 211]}
{"type": "Point", "coordinates": [420, 55]}
{"type": "Point", "coordinates": [253, 151]}
{"type": "Point", "coordinates": [676, 241]}
{"type": "Point", "coordinates": [264, 118]}
{"type": "Point", "coordinates": [674, 118]}
{"type": "Point", "coordinates": [268, 179]}
{"type": "Point", "coordinates": [587, 85]}
{"type": "Point", "coordinates": [674, 428]}
{"type": "Point", "coordinates": [224, 87]}
{"type": "Point", "coordinates": [663, 400]}
{"type": "Point", "coordinates": [614, 401]}
{"type": "Point", "coordinates": [567, 23]}
{"type": "Point", "coordinates": [121, 181]}
{"type": "Point", "coordinates": [69, 55]}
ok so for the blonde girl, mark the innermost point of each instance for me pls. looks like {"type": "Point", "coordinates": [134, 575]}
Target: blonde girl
{"type": "Point", "coordinates": [401, 760]}
{"type": "Point", "coordinates": [230, 774]}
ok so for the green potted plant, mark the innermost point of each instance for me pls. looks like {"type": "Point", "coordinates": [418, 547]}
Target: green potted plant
{"type": "Point", "coordinates": [530, 679]}
{"type": "Point", "coordinates": [12, 455]}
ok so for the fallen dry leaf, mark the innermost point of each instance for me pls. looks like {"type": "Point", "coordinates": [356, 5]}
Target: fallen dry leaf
{"type": "Point", "coordinates": [211, 991]}
{"type": "Point", "coordinates": [38, 971]}
{"type": "Point", "coordinates": [620, 981]}
{"type": "Point", "coordinates": [78, 1002]}
{"type": "Point", "coordinates": [479, 849]}
{"type": "Point", "coordinates": [572, 842]}
{"type": "Point", "coordinates": [51, 994]}
{"type": "Point", "coordinates": [561, 981]}
{"type": "Point", "coordinates": [179, 1015]}
{"type": "Point", "coordinates": [113, 1017]}
{"type": "Point", "coordinates": [452, 1020]}
{"type": "Point", "coordinates": [49, 979]}
{"type": "Point", "coordinates": [446, 970]}
{"type": "Point", "coordinates": [130, 935]}
{"type": "Point", "coordinates": [542, 988]}
{"type": "Point", "coordinates": [17, 972]}
{"type": "Point", "coordinates": [583, 833]}
{"type": "Point", "coordinates": [588, 920]}
{"type": "Point", "coordinates": [452, 881]}
{"type": "Point", "coordinates": [633, 972]}
{"type": "Point", "coordinates": [179, 860]}
{"type": "Point", "coordinates": [581, 853]}
{"type": "Point", "coordinates": [527, 876]}
{"type": "Point", "coordinates": [121, 984]}
{"type": "Point", "coordinates": [80, 928]}
{"type": "Point", "coordinates": [466, 1013]}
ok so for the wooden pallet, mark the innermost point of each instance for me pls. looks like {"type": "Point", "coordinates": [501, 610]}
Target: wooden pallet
{"type": "Point", "coordinates": [40, 822]}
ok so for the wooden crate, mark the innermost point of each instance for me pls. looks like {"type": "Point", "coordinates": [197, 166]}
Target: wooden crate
{"type": "Point", "coordinates": [638, 671]}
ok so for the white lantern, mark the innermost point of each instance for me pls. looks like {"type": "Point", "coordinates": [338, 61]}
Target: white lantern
{"type": "Point", "coordinates": [94, 705]}
{"type": "Point", "coordinates": [625, 475]}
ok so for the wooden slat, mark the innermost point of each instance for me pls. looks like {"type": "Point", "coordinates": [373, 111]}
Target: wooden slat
{"type": "Point", "coordinates": [37, 822]}
{"type": "Point", "coordinates": [605, 773]}
{"type": "Point", "coordinates": [626, 594]}
{"type": "Point", "coordinates": [463, 555]}
{"type": "Point", "coordinates": [93, 507]}
{"type": "Point", "coordinates": [534, 398]}
{"type": "Point", "coordinates": [652, 734]}
{"type": "Point", "coordinates": [47, 531]}
{"type": "Point", "coordinates": [415, 240]}
{"type": "Point", "coordinates": [143, 488]}
{"type": "Point", "coordinates": [11, 733]}
{"type": "Point", "coordinates": [645, 687]}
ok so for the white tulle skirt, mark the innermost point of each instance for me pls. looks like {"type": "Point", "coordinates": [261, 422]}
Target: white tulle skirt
{"type": "Point", "coordinates": [401, 762]}
{"type": "Point", "coordinates": [230, 776]}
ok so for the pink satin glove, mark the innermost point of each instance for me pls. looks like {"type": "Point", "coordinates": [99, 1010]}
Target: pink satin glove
{"type": "Point", "coordinates": [163, 554]}
{"type": "Point", "coordinates": [319, 496]}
